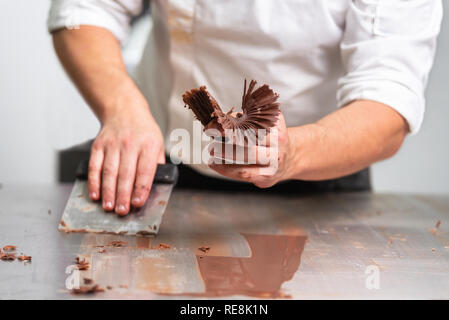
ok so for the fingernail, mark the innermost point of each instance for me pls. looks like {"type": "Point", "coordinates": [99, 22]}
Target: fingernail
{"type": "Point", "coordinates": [108, 205]}
{"type": "Point", "coordinates": [93, 195]}
{"type": "Point", "coordinates": [136, 200]}
{"type": "Point", "coordinates": [121, 208]}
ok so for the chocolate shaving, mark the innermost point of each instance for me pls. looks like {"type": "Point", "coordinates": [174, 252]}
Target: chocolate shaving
{"type": "Point", "coordinates": [88, 289]}
{"type": "Point", "coordinates": [117, 243]}
{"type": "Point", "coordinates": [24, 258]}
{"type": "Point", "coordinates": [259, 108]}
{"type": "Point", "coordinates": [82, 264]}
{"type": "Point", "coordinates": [8, 256]}
{"type": "Point", "coordinates": [204, 249]}
{"type": "Point", "coordinates": [9, 248]}
{"type": "Point", "coordinates": [163, 246]}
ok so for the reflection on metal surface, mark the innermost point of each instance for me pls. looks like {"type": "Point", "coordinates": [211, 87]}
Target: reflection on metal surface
{"type": "Point", "coordinates": [347, 234]}
{"type": "Point", "coordinates": [274, 260]}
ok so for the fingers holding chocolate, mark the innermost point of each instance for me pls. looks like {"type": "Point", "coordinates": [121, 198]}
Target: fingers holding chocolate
{"type": "Point", "coordinates": [248, 145]}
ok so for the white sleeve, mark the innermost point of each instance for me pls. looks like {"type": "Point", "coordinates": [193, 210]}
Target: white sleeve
{"type": "Point", "coordinates": [114, 15]}
{"type": "Point", "coordinates": [388, 49]}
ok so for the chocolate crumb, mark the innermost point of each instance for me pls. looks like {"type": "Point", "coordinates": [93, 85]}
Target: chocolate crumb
{"type": "Point", "coordinates": [88, 289]}
{"type": "Point", "coordinates": [82, 264]}
{"type": "Point", "coordinates": [162, 203]}
{"type": "Point", "coordinates": [49, 211]}
{"type": "Point", "coordinates": [124, 286]}
{"type": "Point", "coordinates": [117, 243]}
{"type": "Point", "coordinates": [433, 231]}
{"type": "Point", "coordinates": [24, 258]}
{"type": "Point", "coordinates": [101, 250]}
{"type": "Point", "coordinates": [7, 256]}
{"type": "Point", "coordinates": [109, 287]}
{"type": "Point", "coordinates": [390, 240]}
{"type": "Point", "coordinates": [204, 249]}
{"type": "Point", "coordinates": [163, 246]}
{"type": "Point", "coordinates": [9, 248]}
{"type": "Point", "coordinates": [88, 281]}
{"type": "Point", "coordinates": [374, 262]}
{"type": "Point", "coordinates": [438, 224]}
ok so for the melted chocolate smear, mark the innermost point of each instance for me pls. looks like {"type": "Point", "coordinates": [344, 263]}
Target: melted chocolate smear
{"type": "Point", "coordinates": [274, 260]}
{"type": "Point", "coordinates": [259, 108]}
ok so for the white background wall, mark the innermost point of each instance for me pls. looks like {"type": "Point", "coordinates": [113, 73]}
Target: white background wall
{"type": "Point", "coordinates": [41, 112]}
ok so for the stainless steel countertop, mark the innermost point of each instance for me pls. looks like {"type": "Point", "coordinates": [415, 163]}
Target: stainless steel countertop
{"type": "Point", "coordinates": [350, 237]}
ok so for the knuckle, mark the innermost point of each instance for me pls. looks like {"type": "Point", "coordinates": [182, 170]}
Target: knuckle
{"type": "Point", "coordinates": [142, 188]}
{"type": "Point", "coordinates": [151, 143]}
{"type": "Point", "coordinates": [92, 182]}
{"type": "Point", "coordinates": [282, 137]}
{"type": "Point", "coordinates": [97, 145]}
{"type": "Point", "coordinates": [92, 169]}
{"type": "Point", "coordinates": [126, 144]}
{"type": "Point", "coordinates": [109, 170]}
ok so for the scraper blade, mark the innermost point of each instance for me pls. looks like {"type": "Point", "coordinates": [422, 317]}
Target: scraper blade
{"type": "Point", "coordinates": [84, 215]}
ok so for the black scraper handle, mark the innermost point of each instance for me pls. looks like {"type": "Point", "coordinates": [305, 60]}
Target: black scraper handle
{"type": "Point", "coordinates": [165, 173]}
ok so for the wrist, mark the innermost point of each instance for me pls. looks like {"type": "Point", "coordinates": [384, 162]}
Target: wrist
{"type": "Point", "coordinates": [125, 103]}
{"type": "Point", "coordinates": [289, 157]}
{"type": "Point", "coordinates": [299, 151]}
{"type": "Point", "coordinates": [127, 109]}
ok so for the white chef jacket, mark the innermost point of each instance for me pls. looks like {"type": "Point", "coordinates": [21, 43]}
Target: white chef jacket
{"type": "Point", "coordinates": [319, 55]}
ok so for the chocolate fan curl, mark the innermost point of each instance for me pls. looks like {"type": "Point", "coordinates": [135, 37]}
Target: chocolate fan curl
{"type": "Point", "coordinates": [260, 109]}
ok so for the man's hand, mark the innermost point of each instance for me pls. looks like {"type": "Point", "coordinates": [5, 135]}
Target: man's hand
{"type": "Point", "coordinates": [123, 161]}
{"type": "Point", "coordinates": [271, 159]}
{"type": "Point", "coordinates": [125, 153]}
{"type": "Point", "coordinates": [341, 143]}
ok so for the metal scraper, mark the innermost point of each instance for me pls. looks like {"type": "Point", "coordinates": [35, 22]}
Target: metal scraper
{"type": "Point", "coordinates": [84, 215]}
